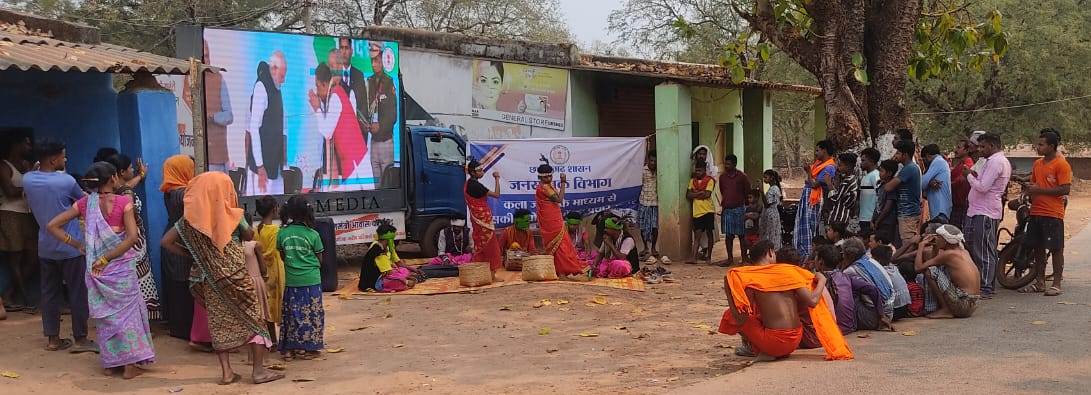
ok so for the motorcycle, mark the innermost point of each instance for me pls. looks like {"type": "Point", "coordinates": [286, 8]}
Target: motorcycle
{"type": "Point", "coordinates": [1015, 266]}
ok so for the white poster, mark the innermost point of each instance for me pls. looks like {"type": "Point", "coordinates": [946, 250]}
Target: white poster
{"type": "Point", "coordinates": [360, 228]}
{"type": "Point", "coordinates": [444, 87]}
{"type": "Point", "coordinates": [603, 173]}
{"type": "Point", "coordinates": [176, 84]}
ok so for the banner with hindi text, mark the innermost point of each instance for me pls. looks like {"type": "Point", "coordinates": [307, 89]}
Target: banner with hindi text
{"type": "Point", "coordinates": [602, 173]}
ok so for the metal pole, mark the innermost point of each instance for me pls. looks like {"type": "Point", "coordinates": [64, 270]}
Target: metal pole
{"type": "Point", "coordinates": [197, 97]}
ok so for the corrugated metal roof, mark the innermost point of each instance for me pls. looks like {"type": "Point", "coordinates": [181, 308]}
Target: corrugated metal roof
{"type": "Point", "coordinates": [36, 52]}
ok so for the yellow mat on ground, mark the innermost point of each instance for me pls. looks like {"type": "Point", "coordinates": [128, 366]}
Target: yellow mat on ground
{"type": "Point", "coordinates": [446, 285]}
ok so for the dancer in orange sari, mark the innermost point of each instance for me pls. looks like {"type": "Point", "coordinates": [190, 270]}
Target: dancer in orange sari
{"type": "Point", "coordinates": [551, 223]}
{"type": "Point", "coordinates": [486, 246]}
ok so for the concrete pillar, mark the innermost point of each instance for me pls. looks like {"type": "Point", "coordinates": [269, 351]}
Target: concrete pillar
{"type": "Point", "coordinates": [757, 153]}
{"type": "Point", "coordinates": [148, 125]}
{"type": "Point", "coordinates": [673, 140]}
{"type": "Point", "coordinates": [819, 119]}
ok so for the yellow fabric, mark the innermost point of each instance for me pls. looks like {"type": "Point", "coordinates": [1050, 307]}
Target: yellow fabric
{"type": "Point", "coordinates": [703, 206]}
{"type": "Point", "coordinates": [383, 263]}
{"type": "Point", "coordinates": [177, 172]}
{"type": "Point", "coordinates": [274, 269]}
{"type": "Point", "coordinates": [212, 208]}
{"type": "Point", "coordinates": [784, 277]}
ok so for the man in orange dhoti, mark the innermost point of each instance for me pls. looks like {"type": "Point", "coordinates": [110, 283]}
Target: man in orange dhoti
{"type": "Point", "coordinates": [765, 299]}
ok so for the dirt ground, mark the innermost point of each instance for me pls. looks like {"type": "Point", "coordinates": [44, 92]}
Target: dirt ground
{"type": "Point", "coordinates": [495, 341]}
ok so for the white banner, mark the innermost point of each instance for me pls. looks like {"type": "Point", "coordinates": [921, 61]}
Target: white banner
{"type": "Point", "coordinates": [360, 228]}
{"type": "Point", "coordinates": [602, 173]}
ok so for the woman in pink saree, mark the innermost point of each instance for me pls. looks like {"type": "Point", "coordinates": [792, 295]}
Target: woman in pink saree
{"type": "Point", "coordinates": [113, 287]}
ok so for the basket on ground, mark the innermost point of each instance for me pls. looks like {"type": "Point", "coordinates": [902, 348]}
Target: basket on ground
{"type": "Point", "coordinates": [513, 261]}
{"type": "Point", "coordinates": [539, 268]}
{"type": "Point", "coordinates": [474, 274]}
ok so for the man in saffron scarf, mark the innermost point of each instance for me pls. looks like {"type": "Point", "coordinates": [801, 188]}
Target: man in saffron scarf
{"type": "Point", "coordinates": [820, 178]}
{"type": "Point", "coordinates": [551, 222]}
{"type": "Point", "coordinates": [209, 232]}
{"type": "Point", "coordinates": [486, 246]}
{"type": "Point", "coordinates": [764, 302]}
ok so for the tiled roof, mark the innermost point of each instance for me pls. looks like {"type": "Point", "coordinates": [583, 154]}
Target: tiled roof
{"type": "Point", "coordinates": [688, 72]}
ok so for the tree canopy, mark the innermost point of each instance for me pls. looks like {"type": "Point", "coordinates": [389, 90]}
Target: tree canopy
{"type": "Point", "coordinates": [149, 24]}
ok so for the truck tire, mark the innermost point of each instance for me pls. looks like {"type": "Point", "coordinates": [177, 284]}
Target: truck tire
{"type": "Point", "coordinates": [429, 244]}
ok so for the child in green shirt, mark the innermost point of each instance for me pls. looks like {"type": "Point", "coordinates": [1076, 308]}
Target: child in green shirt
{"type": "Point", "coordinates": [302, 316]}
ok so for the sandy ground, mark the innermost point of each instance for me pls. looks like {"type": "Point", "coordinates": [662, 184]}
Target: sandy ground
{"type": "Point", "coordinates": [638, 342]}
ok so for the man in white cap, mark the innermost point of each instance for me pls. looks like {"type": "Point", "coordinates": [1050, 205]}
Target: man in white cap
{"type": "Point", "coordinates": [952, 276]}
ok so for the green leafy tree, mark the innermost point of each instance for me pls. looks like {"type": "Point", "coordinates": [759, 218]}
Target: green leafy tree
{"type": "Point", "coordinates": [861, 53]}
{"type": "Point", "coordinates": [1047, 61]}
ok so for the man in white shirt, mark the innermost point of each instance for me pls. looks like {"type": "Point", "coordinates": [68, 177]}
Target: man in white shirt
{"type": "Point", "coordinates": [869, 166]}
{"type": "Point", "coordinates": [266, 157]}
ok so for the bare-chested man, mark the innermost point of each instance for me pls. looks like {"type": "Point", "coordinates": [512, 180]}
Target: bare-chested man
{"type": "Point", "coordinates": [952, 275]}
{"type": "Point", "coordinates": [765, 301]}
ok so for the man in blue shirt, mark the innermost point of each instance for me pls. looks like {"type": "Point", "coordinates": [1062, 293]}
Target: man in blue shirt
{"type": "Point", "coordinates": [908, 187]}
{"type": "Point", "coordinates": [50, 191]}
{"type": "Point", "coordinates": [936, 184]}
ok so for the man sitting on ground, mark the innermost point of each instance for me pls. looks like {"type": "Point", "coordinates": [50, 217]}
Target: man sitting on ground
{"type": "Point", "coordinates": [518, 236]}
{"type": "Point", "coordinates": [764, 300]}
{"type": "Point", "coordinates": [853, 296]}
{"type": "Point", "coordinates": [952, 275]}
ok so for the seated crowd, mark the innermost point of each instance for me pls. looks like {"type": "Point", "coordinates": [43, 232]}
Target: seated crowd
{"type": "Point", "coordinates": [882, 242]}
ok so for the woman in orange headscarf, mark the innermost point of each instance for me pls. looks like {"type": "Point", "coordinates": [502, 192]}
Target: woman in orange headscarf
{"type": "Point", "coordinates": [178, 304]}
{"type": "Point", "coordinates": [210, 232]}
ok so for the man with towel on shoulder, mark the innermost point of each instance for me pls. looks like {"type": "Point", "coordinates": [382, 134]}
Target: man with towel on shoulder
{"type": "Point", "coordinates": [952, 275]}
{"type": "Point", "coordinates": [764, 300]}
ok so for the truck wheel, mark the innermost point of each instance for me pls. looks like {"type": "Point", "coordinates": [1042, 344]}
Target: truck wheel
{"type": "Point", "coordinates": [430, 244]}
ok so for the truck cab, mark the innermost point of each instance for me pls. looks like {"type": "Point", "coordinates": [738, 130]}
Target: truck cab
{"type": "Point", "coordinates": [435, 182]}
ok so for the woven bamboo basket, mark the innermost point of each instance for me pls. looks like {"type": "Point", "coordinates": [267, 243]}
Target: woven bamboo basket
{"type": "Point", "coordinates": [474, 274]}
{"type": "Point", "coordinates": [513, 262]}
{"type": "Point", "coordinates": [539, 268]}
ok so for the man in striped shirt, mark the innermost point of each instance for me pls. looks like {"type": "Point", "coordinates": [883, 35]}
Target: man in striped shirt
{"type": "Point", "coordinates": [844, 197]}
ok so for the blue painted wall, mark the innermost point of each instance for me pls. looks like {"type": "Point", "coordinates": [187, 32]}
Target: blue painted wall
{"type": "Point", "coordinates": [148, 122]}
{"type": "Point", "coordinates": [84, 111]}
{"type": "Point", "coordinates": [77, 108]}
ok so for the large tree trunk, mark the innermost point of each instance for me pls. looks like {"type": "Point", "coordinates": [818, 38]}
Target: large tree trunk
{"type": "Point", "coordinates": [881, 31]}
{"type": "Point", "coordinates": [891, 26]}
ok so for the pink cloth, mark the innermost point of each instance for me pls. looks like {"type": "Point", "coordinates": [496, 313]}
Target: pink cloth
{"type": "Point", "coordinates": [987, 190]}
{"type": "Point", "coordinates": [456, 259]}
{"type": "Point", "coordinates": [261, 340]}
{"type": "Point", "coordinates": [395, 280]}
{"type": "Point", "coordinates": [116, 219]}
{"type": "Point", "coordinates": [198, 333]}
{"type": "Point", "coordinates": [616, 268]}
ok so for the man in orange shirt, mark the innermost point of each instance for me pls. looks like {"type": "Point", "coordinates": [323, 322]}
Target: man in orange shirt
{"type": "Point", "coordinates": [1050, 183]}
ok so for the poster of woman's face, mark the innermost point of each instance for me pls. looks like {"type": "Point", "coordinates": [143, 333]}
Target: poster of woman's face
{"type": "Point", "coordinates": [488, 83]}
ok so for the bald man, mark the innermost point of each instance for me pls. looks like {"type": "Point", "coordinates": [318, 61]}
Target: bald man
{"type": "Point", "coordinates": [267, 154]}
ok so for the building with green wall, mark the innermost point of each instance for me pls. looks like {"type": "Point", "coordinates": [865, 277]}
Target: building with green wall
{"type": "Point", "coordinates": [676, 106]}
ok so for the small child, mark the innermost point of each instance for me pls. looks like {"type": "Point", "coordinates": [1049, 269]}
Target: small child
{"type": "Point", "coordinates": [883, 255]}
{"type": "Point", "coordinates": [383, 270]}
{"type": "Point", "coordinates": [256, 268]}
{"type": "Point", "coordinates": [704, 211]}
{"type": "Point", "coordinates": [273, 266]}
{"type": "Point", "coordinates": [885, 220]}
{"type": "Point", "coordinates": [303, 318]}
{"type": "Point", "coordinates": [751, 220]}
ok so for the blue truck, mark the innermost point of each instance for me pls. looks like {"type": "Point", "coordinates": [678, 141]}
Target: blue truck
{"type": "Point", "coordinates": [434, 187]}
